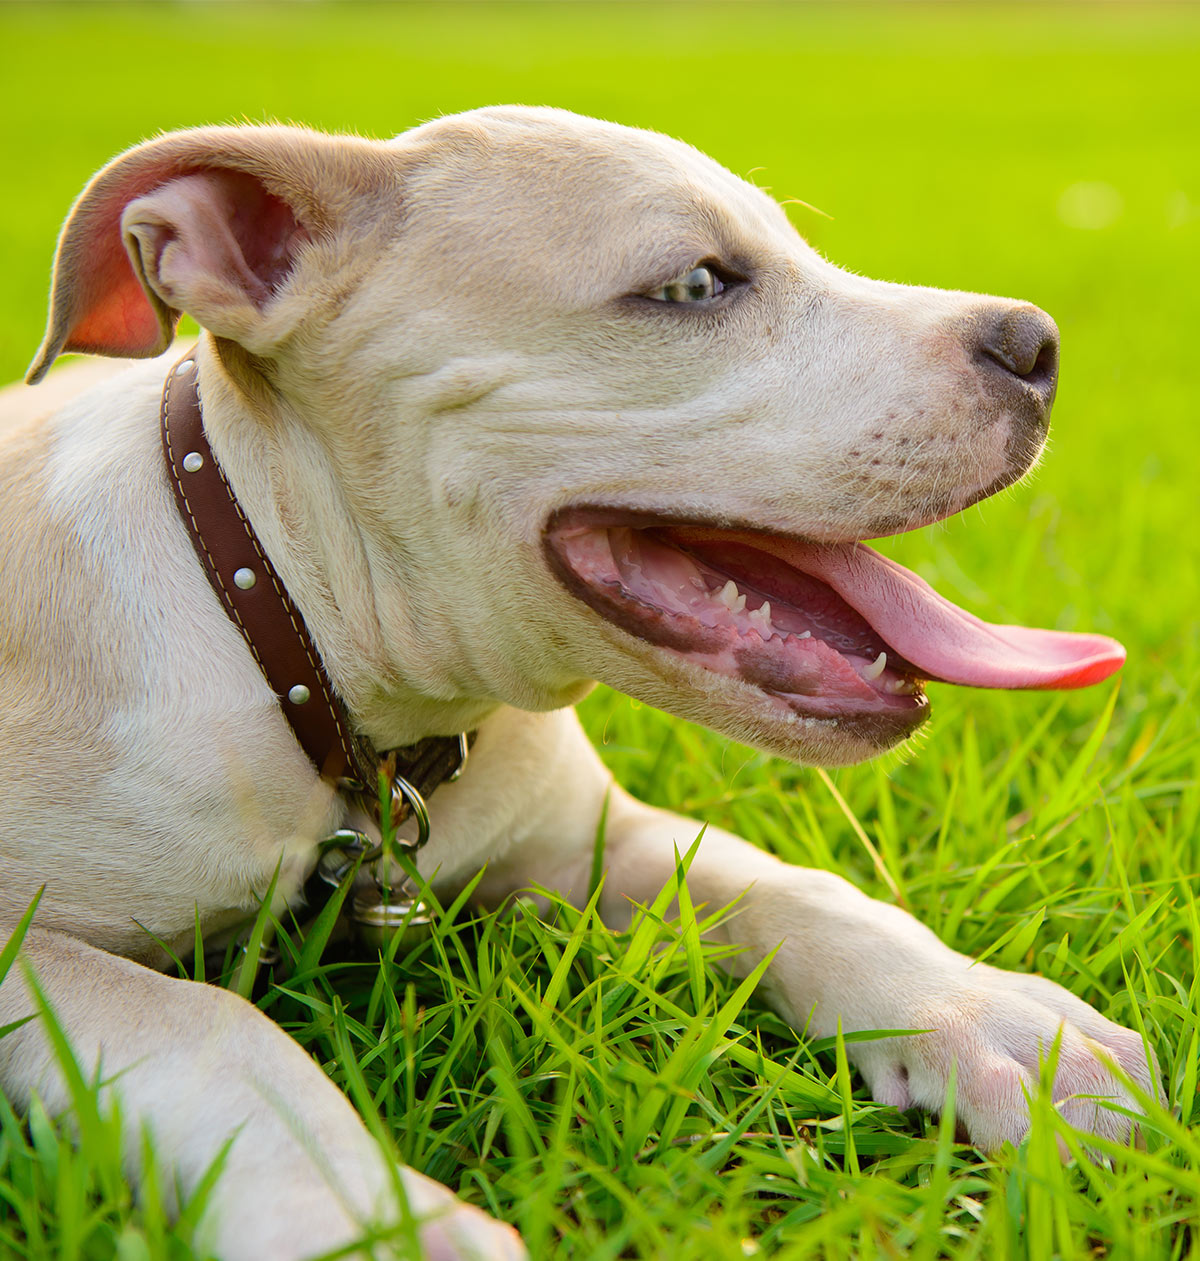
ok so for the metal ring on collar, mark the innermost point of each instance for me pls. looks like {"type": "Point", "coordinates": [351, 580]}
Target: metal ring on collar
{"type": "Point", "coordinates": [464, 748]}
{"type": "Point", "coordinates": [403, 793]}
{"type": "Point", "coordinates": [340, 851]}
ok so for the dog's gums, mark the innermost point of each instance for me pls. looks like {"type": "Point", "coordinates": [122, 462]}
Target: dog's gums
{"type": "Point", "coordinates": [834, 631]}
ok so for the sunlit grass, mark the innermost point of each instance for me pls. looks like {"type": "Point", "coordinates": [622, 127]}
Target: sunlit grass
{"type": "Point", "coordinates": [619, 1095]}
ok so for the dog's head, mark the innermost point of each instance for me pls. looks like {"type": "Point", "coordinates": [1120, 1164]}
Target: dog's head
{"type": "Point", "coordinates": [596, 412]}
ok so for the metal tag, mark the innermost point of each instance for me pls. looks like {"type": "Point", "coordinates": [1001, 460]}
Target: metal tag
{"type": "Point", "coordinates": [376, 922]}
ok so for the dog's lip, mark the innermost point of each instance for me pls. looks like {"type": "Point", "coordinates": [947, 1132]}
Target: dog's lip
{"type": "Point", "coordinates": [930, 636]}
{"type": "Point", "coordinates": [602, 516]}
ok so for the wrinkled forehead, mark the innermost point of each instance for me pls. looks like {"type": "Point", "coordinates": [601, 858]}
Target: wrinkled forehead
{"type": "Point", "coordinates": [538, 186]}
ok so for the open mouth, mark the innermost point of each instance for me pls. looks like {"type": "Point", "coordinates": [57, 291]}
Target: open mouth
{"type": "Point", "coordinates": [829, 631]}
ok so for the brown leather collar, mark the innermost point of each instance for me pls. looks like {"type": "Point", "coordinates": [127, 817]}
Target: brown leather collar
{"type": "Point", "coordinates": [258, 604]}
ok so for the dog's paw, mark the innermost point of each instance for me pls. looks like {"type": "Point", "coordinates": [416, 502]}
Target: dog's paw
{"type": "Point", "coordinates": [356, 1215]}
{"type": "Point", "coordinates": [996, 1028]}
{"type": "Point", "coordinates": [453, 1231]}
{"type": "Point", "coordinates": [469, 1234]}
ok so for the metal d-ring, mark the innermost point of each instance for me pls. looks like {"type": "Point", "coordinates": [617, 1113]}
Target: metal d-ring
{"type": "Point", "coordinates": [403, 793]}
{"type": "Point", "coordinates": [463, 749]}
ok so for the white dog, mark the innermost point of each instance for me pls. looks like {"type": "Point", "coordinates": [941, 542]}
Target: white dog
{"type": "Point", "coordinates": [514, 402]}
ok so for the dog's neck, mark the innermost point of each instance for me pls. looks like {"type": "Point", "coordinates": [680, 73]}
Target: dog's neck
{"type": "Point", "coordinates": [290, 489]}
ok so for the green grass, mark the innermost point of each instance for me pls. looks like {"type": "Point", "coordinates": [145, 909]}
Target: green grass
{"type": "Point", "coordinates": [617, 1101]}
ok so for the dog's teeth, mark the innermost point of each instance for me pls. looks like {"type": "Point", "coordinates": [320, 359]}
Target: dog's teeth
{"type": "Point", "coordinates": [728, 595]}
{"type": "Point", "coordinates": [876, 668]}
{"type": "Point", "coordinates": [760, 618]}
{"type": "Point", "coordinates": [739, 604]}
{"type": "Point", "coordinates": [902, 687]}
{"type": "Point", "coordinates": [803, 635]}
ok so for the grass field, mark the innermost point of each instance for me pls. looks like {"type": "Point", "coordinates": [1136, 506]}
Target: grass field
{"type": "Point", "coordinates": [605, 1096]}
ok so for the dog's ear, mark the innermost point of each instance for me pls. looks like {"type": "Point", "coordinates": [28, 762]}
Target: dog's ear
{"type": "Point", "coordinates": [209, 221]}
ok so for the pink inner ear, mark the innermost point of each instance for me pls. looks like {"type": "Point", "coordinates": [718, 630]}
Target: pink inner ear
{"type": "Point", "coordinates": [228, 222]}
{"type": "Point", "coordinates": [263, 226]}
{"type": "Point", "coordinates": [212, 243]}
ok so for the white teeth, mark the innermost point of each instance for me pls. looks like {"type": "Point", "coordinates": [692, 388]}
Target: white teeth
{"type": "Point", "coordinates": [728, 596]}
{"type": "Point", "coordinates": [761, 618]}
{"type": "Point", "coordinates": [901, 687]}
{"type": "Point", "coordinates": [876, 668]}
{"type": "Point", "coordinates": [803, 635]}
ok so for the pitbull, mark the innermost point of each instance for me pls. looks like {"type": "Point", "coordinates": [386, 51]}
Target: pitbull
{"type": "Point", "coordinates": [514, 402]}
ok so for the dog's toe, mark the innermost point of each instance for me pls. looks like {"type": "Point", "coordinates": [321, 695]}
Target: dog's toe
{"type": "Point", "coordinates": [469, 1234]}
{"type": "Point", "coordinates": [1088, 1038]}
{"type": "Point", "coordinates": [996, 1037]}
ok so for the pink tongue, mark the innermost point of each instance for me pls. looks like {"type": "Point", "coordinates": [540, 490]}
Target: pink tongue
{"type": "Point", "coordinates": [944, 641]}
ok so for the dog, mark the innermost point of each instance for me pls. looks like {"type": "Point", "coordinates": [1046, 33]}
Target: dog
{"type": "Point", "coordinates": [514, 402]}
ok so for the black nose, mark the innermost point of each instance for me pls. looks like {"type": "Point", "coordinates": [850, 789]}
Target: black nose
{"type": "Point", "coordinates": [1023, 341]}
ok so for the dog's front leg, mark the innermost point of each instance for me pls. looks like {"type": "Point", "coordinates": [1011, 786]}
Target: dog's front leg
{"type": "Point", "coordinates": [843, 957]}
{"type": "Point", "coordinates": [196, 1067]}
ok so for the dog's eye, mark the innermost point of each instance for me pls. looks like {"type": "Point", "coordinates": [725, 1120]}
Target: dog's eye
{"type": "Point", "coordinates": [692, 286]}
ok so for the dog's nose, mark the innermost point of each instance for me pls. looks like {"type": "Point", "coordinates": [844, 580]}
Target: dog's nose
{"type": "Point", "coordinates": [1023, 341]}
